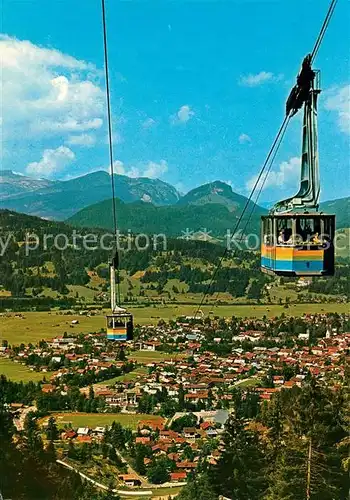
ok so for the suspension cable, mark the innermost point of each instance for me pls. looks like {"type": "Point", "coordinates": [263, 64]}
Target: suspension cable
{"type": "Point", "coordinates": [275, 142]}
{"type": "Point", "coordinates": [262, 184]}
{"type": "Point", "coordinates": [323, 29]}
{"type": "Point", "coordinates": [110, 142]}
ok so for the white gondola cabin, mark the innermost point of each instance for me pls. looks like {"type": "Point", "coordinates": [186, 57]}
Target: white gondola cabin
{"type": "Point", "coordinates": [120, 326]}
{"type": "Point", "coordinates": [298, 244]}
{"type": "Point", "coordinates": [120, 322]}
{"type": "Point", "coordinates": [297, 239]}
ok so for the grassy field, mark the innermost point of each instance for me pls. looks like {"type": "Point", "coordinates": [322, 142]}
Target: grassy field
{"type": "Point", "coordinates": [251, 382]}
{"type": "Point", "coordinates": [123, 378]}
{"type": "Point", "coordinates": [153, 315]}
{"type": "Point", "coordinates": [34, 326]}
{"type": "Point", "coordinates": [153, 356]}
{"type": "Point", "coordinates": [99, 419]}
{"type": "Point", "coordinates": [20, 373]}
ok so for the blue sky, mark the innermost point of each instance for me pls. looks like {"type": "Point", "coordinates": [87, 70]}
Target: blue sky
{"type": "Point", "coordinates": [198, 89]}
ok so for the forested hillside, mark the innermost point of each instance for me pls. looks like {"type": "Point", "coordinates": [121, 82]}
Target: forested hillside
{"type": "Point", "coordinates": [43, 263]}
{"type": "Point", "coordinates": [294, 447]}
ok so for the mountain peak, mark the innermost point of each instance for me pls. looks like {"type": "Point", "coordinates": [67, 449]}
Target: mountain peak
{"type": "Point", "coordinates": [8, 173]}
{"type": "Point", "coordinates": [216, 192]}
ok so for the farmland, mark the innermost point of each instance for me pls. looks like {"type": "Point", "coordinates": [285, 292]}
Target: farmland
{"type": "Point", "coordinates": [20, 373]}
{"type": "Point", "coordinates": [100, 419]}
{"type": "Point", "coordinates": [145, 357]}
{"type": "Point", "coordinates": [34, 326]}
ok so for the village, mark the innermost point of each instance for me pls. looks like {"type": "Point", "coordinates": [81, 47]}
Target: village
{"type": "Point", "coordinates": [170, 391]}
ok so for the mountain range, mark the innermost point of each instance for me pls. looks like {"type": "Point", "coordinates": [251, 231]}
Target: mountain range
{"type": "Point", "coordinates": [209, 210]}
{"type": "Point", "coordinates": [143, 205]}
{"type": "Point", "coordinates": [59, 200]}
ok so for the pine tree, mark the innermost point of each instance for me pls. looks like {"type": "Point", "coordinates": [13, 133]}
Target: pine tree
{"type": "Point", "coordinates": [51, 452]}
{"type": "Point", "coordinates": [52, 433]}
{"type": "Point", "coordinates": [198, 488]}
{"type": "Point", "coordinates": [239, 473]}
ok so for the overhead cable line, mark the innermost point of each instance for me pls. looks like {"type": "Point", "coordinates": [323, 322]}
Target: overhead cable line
{"type": "Point", "coordinates": [323, 29]}
{"type": "Point", "coordinates": [110, 143]}
{"type": "Point", "coordinates": [262, 184]}
{"type": "Point", "coordinates": [276, 140]}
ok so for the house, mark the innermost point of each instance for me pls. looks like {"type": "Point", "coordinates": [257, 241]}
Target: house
{"type": "Point", "coordinates": [190, 432]}
{"type": "Point", "coordinates": [143, 440]}
{"type": "Point", "coordinates": [188, 466]}
{"type": "Point", "coordinates": [99, 431]}
{"type": "Point", "coordinates": [83, 431]}
{"type": "Point", "coordinates": [195, 397]}
{"type": "Point", "coordinates": [47, 388]}
{"type": "Point", "coordinates": [84, 439]}
{"type": "Point", "coordinates": [130, 480]}
{"type": "Point", "coordinates": [71, 434]}
{"type": "Point", "coordinates": [207, 425]}
{"type": "Point", "coordinates": [152, 424]}
{"type": "Point", "coordinates": [178, 476]}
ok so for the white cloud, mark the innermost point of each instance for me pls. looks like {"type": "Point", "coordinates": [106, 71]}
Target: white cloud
{"type": "Point", "coordinates": [287, 175]}
{"type": "Point", "coordinates": [52, 161]}
{"type": "Point", "coordinates": [150, 169]}
{"type": "Point", "coordinates": [155, 170]}
{"type": "Point", "coordinates": [338, 100]}
{"type": "Point", "coordinates": [118, 167]}
{"type": "Point", "coordinates": [121, 169]}
{"type": "Point", "coordinates": [253, 80]}
{"type": "Point", "coordinates": [46, 93]}
{"type": "Point", "coordinates": [183, 115]}
{"type": "Point", "coordinates": [86, 140]}
{"type": "Point", "coordinates": [244, 138]}
{"type": "Point", "coordinates": [148, 123]}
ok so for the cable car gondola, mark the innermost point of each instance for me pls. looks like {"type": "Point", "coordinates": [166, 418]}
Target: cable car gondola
{"type": "Point", "coordinates": [119, 322]}
{"type": "Point", "coordinates": [297, 239]}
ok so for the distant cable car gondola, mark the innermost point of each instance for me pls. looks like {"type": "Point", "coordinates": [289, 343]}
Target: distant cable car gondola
{"type": "Point", "coordinates": [297, 239]}
{"type": "Point", "coordinates": [119, 322]}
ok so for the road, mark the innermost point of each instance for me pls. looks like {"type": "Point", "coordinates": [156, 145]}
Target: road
{"type": "Point", "coordinates": [131, 470]}
{"type": "Point", "coordinates": [19, 422]}
{"type": "Point", "coordinates": [137, 493]}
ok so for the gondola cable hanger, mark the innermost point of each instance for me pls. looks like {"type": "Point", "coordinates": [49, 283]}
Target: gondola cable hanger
{"type": "Point", "coordinates": [119, 322]}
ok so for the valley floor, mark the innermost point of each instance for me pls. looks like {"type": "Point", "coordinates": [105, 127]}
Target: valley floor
{"type": "Point", "coordinates": [33, 326]}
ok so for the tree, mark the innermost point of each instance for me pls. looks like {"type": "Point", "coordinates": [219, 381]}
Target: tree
{"type": "Point", "coordinates": [91, 393]}
{"type": "Point", "coordinates": [140, 453]}
{"type": "Point", "coordinates": [158, 472]}
{"type": "Point", "coordinates": [168, 408]}
{"type": "Point", "coordinates": [188, 420]}
{"type": "Point", "coordinates": [181, 397]}
{"type": "Point", "coordinates": [198, 488]}
{"type": "Point", "coordinates": [114, 457]}
{"type": "Point", "coordinates": [71, 451]}
{"type": "Point", "coordinates": [52, 433]}
{"type": "Point", "coordinates": [239, 473]}
{"type": "Point", "coordinates": [117, 436]}
{"type": "Point", "coordinates": [51, 452]}
{"type": "Point", "coordinates": [122, 355]}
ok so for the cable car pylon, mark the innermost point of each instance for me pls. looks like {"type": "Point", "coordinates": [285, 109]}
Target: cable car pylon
{"type": "Point", "coordinates": [297, 239]}
{"type": "Point", "coordinates": [267, 265]}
